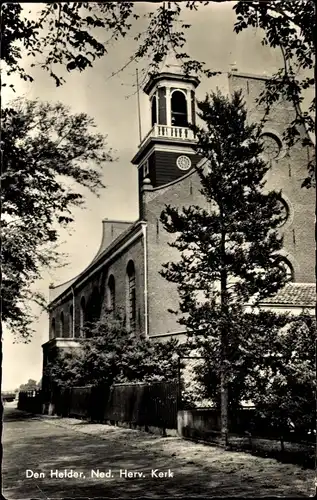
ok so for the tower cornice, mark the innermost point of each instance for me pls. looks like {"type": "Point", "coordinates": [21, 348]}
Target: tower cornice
{"type": "Point", "coordinates": [150, 141]}
{"type": "Point", "coordinates": [175, 77]}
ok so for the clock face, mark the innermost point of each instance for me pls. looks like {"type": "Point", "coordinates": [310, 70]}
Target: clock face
{"type": "Point", "coordinates": [271, 146]}
{"type": "Point", "coordinates": [183, 162]}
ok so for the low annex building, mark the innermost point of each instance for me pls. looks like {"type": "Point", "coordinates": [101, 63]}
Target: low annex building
{"type": "Point", "coordinates": [124, 275]}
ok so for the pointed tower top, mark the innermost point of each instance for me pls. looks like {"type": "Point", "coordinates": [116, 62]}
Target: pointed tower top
{"type": "Point", "coordinates": [171, 64]}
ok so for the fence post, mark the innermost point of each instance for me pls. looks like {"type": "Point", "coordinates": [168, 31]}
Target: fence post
{"type": "Point", "coordinates": [249, 434]}
{"type": "Point", "coordinates": [282, 443]}
{"type": "Point", "coordinates": [179, 402]}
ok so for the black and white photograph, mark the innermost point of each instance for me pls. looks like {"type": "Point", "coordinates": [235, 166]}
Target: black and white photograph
{"type": "Point", "coordinates": [158, 280]}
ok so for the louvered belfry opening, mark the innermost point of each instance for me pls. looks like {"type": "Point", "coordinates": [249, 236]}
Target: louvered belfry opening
{"type": "Point", "coordinates": [154, 110]}
{"type": "Point", "coordinates": [179, 109]}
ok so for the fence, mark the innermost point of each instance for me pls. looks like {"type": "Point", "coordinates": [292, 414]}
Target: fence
{"type": "Point", "coordinates": [157, 405]}
{"type": "Point", "coordinates": [144, 404]}
{"type": "Point", "coordinates": [140, 404]}
{"type": "Point", "coordinates": [73, 401]}
{"type": "Point", "coordinates": [30, 401]}
{"type": "Point", "coordinates": [246, 433]}
{"type": "Point", "coordinates": [245, 422]}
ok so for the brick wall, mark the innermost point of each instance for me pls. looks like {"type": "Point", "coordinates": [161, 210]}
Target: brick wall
{"type": "Point", "coordinates": [286, 175]}
{"type": "Point", "coordinates": [162, 295]}
{"type": "Point", "coordinates": [99, 281]}
{"type": "Point", "coordinates": [118, 270]}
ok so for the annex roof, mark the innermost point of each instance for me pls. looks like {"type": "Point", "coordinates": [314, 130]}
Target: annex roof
{"type": "Point", "coordinates": [293, 295]}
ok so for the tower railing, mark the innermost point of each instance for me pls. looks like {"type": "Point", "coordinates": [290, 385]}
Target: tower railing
{"type": "Point", "coordinates": [169, 132]}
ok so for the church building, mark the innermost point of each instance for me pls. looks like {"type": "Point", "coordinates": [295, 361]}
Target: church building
{"type": "Point", "coordinates": [124, 275]}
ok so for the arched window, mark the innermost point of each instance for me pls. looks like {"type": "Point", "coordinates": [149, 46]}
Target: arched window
{"type": "Point", "coordinates": [93, 306]}
{"type": "Point", "coordinates": [61, 324]}
{"type": "Point", "coordinates": [131, 297]}
{"type": "Point", "coordinates": [53, 330]}
{"type": "Point", "coordinates": [271, 146]}
{"type": "Point", "coordinates": [111, 294]}
{"type": "Point", "coordinates": [154, 110]}
{"type": "Point", "coordinates": [71, 319]}
{"type": "Point", "coordinates": [285, 264]}
{"type": "Point", "coordinates": [284, 211]}
{"type": "Point", "coordinates": [179, 109]}
{"type": "Point", "coordinates": [82, 315]}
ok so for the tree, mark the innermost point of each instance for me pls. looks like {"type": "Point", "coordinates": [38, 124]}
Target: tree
{"type": "Point", "coordinates": [290, 26]}
{"type": "Point", "coordinates": [226, 257]}
{"type": "Point", "coordinates": [75, 35]}
{"type": "Point", "coordinates": [274, 369]}
{"type": "Point", "coordinates": [282, 375]}
{"type": "Point", "coordinates": [48, 156]}
{"type": "Point", "coordinates": [111, 354]}
{"type": "Point", "coordinates": [31, 385]}
{"type": "Point", "coordinates": [33, 198]}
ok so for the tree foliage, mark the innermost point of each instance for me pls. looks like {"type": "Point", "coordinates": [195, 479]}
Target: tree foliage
{"type": "Point", "coordinates": [224, 251]}
{"type": "Point", "coordinates": [286, 376]}
{"type": "Point", "coordinates": [291, 27]}
{"type": "Point", "coordinates": [273, 367]}
{"type": "Point", "coordinates": [111, 354]}
{"type": "Point", "coordinates": [48, 156]}
{"type": "Point", "coordinates": [75, 35]}
{"type": "Point", "coordinates": [31, 385]}
{"type": "Point", "coordinates": [227, 258]}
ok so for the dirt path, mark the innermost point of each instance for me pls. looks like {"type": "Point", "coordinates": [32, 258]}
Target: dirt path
{"type": "Point", "coordinates": [44, 444]}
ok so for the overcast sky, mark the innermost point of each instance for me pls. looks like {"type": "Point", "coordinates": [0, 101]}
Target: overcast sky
{"type": "Point", "coordinates": [112, 103]}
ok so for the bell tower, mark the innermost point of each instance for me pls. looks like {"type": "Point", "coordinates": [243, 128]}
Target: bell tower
{"type": "Point", "coordinates": [166, 152]}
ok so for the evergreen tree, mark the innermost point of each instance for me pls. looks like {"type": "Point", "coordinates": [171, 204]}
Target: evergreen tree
{"type": "Point", "coordinates": [228, 253]}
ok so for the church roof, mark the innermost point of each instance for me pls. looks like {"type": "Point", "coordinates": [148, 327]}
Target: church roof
{"type": "Point", "coordinates": [105, 241]}
{"type": "Point", "coordinates": [103, 252]}
{"type": "Point", "coordinates": [55, 291]}
{"type": "Point", "coordinates": [293, 295]}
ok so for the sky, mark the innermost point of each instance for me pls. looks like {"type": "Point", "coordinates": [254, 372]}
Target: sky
{"type": "Point", "coordinates": [112, 102]}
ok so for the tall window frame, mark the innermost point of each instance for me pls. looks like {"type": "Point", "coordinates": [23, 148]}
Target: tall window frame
{"type": "Point", "coordinates": [93, 306]}
{"type": "Point", "coordinates": [154, 110]}
{"type": "Point", "coordinates": [71, 321]}
{"type": "Point", "coordinates": [146, 168]}
{"type": "Point", "coordinates": [111, 294]}
{"type": "Point", "coordinates": [53, 328]}
{"type": "Point", "coordinates": [131, 297]}
{"type": "Point", "coordinates": [61, 324]}
{"type": "Point", "coordinates": [82, 316]}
